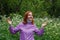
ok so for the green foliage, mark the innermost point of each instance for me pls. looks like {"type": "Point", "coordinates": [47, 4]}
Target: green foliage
{"type": "Point", "coordinates": [42, 7]}
{"type": "Point", "coordinates": [36, 6]}
{"type": "Point", "coordinates": [52, 30]}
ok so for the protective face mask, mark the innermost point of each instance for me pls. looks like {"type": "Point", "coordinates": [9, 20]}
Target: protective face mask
{"type": "Point", "coordinates": [29, 21]}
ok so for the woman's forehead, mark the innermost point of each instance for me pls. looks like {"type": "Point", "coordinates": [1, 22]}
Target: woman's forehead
{"type": "Point", "coordinates": [30, 13]}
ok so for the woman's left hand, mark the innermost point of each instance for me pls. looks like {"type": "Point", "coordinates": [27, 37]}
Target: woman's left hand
{"type": "Point", "coordinates": [44, 24]}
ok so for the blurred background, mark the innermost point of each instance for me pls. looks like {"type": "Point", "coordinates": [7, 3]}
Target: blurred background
{"type": "Point", "coordinates": [42, 10]}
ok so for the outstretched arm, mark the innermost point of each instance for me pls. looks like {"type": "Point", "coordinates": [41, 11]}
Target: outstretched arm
{"type": "Point", "coordinates": [11, 28]}
{"type": "Point", "coordinates": [39, 31]}
{"type": "Point", "coordinates": [14, 30]}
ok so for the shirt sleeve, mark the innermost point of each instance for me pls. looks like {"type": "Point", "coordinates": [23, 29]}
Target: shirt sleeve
{"type": "Point", "coordinates": [14, 30]}
{"type": "Point", "coordinates": [39, 31]}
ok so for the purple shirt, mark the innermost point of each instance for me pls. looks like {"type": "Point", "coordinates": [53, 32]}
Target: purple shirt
{"type": "Point", "coordinates": [26, 31]}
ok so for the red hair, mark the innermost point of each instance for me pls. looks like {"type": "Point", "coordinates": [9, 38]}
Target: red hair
{"type": "Point", "coordinates": [26, 16]}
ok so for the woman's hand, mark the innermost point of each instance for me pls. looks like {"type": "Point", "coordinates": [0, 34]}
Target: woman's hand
{"type": "Point", "coordinates": [9, 21]}
{"type": "Point", "coordinates": [44, 24]}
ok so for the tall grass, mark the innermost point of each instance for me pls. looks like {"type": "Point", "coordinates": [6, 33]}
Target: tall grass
{"type": "Point", "coordinates": [52, 30]}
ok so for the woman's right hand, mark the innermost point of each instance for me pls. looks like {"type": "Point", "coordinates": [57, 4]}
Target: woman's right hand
{"type": "Point", "coordinates": [9, 21]}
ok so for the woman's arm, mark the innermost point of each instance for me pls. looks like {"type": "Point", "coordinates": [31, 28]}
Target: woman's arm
{"type": "Point", "coordinates": [11, 28]}
{"type": "Point", "coordinates": [14, 30]}
{"type": "Point", "coordinates": [39, 31]}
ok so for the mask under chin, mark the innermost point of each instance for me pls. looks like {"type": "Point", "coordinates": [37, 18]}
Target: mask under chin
{"type": "Point", "coordinates": [29, 21]}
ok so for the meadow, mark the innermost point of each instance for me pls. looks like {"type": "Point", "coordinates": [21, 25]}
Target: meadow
{"type": "Point", "coordinates": [52, 30]}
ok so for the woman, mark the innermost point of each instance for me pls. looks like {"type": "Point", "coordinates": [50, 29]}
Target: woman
{"type": "Point", "coordinates": [27, 28]}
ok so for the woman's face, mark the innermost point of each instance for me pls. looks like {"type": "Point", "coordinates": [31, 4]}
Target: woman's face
{"type": "Point", "coordinates": [30, 17]}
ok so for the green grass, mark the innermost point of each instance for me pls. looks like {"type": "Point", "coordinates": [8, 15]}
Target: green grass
{"type": "Point", "coordinates": [52, 30]}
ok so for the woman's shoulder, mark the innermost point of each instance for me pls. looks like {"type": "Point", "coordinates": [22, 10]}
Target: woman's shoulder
{"type": "Point", "coordinates": [35, 25]}
{"type": "Point", "coordinates": [21, 23]}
